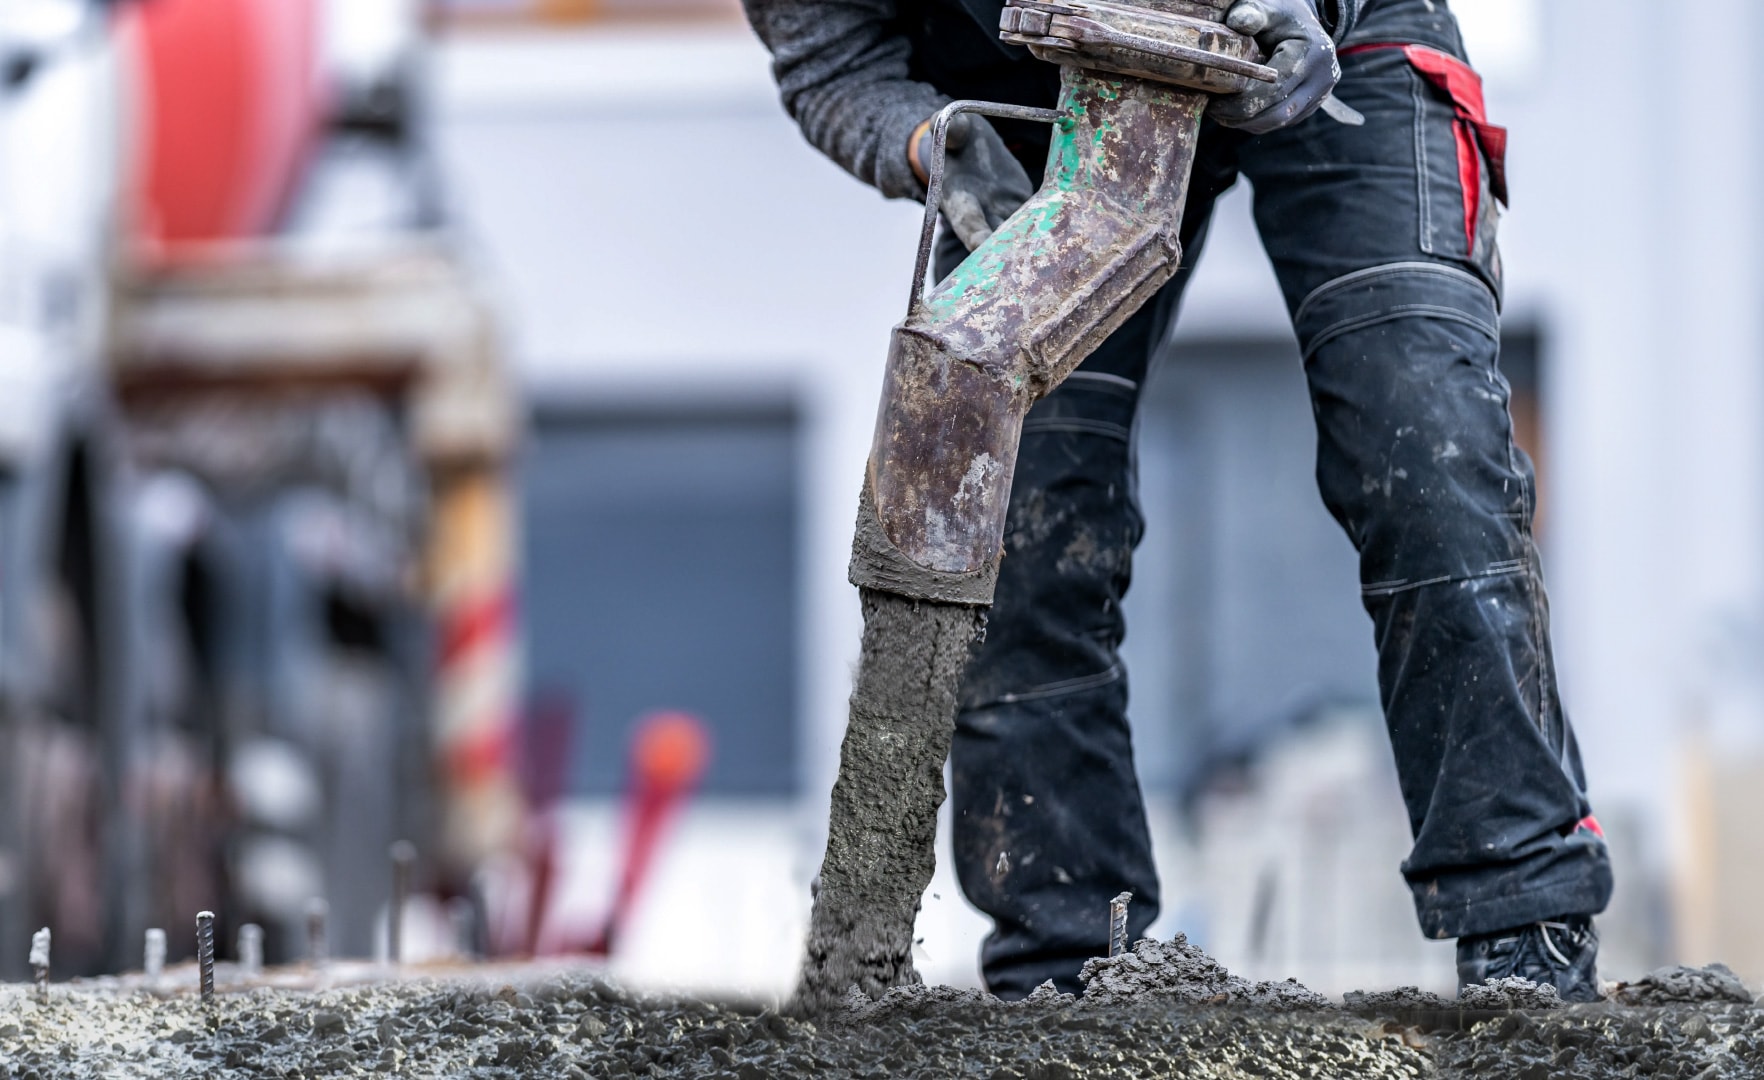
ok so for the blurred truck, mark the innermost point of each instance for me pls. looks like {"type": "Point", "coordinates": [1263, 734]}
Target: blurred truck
{"type": "Point", "coordinates": [256, 617]}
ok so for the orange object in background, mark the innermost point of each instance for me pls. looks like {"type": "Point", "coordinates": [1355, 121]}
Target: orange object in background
{"type": "Point", "coordinates": [669, 753]}
{"type": "Point", "coordinates": [228, 97]}
{"type": "Point", "coordinates": [668, 756]}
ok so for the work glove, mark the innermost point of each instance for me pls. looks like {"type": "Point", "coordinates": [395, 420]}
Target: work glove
{"type": "Point", "coordinates": [983, 184]}
{"type": "Point", "coordinates": [1298, 47]}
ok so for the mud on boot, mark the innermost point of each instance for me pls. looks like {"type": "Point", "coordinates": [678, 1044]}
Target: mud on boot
{"type": "Point", "coordinates": [1561, 952]}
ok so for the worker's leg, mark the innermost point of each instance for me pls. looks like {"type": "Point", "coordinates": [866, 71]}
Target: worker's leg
{"type": "Point", "coordinates": [1048, 820]}
{"type": "Point", "coordinates": [1390, 286]}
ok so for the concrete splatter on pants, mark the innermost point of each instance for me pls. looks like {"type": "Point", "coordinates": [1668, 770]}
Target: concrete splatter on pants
{"type": "Point", "coordinates": [1383, 238]}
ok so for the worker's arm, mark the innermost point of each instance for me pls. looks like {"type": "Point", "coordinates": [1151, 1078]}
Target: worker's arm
{"type": "Point", "coordinates": [841, 67]}
{"type": "Point", "coordinates": [1299, 37]}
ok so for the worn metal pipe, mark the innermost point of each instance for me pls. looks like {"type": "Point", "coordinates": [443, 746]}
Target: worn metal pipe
{"type": "Point", "coordinates": [1026, 307]}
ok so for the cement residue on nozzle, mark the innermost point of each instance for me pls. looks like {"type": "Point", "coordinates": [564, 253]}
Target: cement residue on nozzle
{"type": "Point", "coordinates": [1181, 972]}
{"type": "Point", "coordinates": [1688, 985]}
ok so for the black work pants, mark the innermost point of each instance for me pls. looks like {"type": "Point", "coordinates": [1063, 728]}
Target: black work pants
{"type": "Point", "coordinates": [1382, 237]}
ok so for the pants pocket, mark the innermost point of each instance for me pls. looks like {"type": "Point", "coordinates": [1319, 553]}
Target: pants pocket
{"type": "Point", "coordinates": [1460, 160]}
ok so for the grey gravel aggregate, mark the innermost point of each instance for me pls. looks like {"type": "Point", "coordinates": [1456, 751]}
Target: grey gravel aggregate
{"type": "Point", "coordinates": [1188, 1018]}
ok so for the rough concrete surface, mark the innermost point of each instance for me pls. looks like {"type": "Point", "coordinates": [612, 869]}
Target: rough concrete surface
{"type": "Point", "coordinates": [574, 1025]}
{"type": "Point", "coordinates": [1670, 985]}
{"type": "Point", "coordinates": [1391, 1002]}
{"type": "Point", "coordinates": [1179, 972]}
{"type": "Point", "coordinates": [883, 820]}
{"type": "Point", "coordinates": [1510, 993]}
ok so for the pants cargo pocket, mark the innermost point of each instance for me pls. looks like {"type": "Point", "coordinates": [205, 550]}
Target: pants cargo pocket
{"type": "Point", "coordinates": [1460, 158]}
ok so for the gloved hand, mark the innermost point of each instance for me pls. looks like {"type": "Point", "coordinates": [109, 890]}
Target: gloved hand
{"type": "Point", "coordinates": [1298, 48]}
{"type": "Point", "coordinates": [982, 183]}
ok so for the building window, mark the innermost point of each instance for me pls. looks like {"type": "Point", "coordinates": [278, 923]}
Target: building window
{"type": "Point", "coordinates": [660, 574]}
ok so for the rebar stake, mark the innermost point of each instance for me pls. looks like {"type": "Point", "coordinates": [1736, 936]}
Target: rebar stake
{"type": "Point", "coordinates": [153, 955]}
{"type": "Point", "coordinates": [251, 950]}
{"type": "Point", "coordinates": [205, 954]}
{"type": "Point", "coordinates": [318, 949]}
{"type": "Point", "coordinates": [462, 917]}
{"type": "Point", "coordinates": [403, 858]}
{"type": "Point", "coordinates": [40, 962]}
{"type": "Point", "coordinates": [1118, 923]}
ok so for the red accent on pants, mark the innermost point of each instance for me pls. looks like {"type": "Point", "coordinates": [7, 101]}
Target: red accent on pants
{"type": "Point", "coordinates": [1461, 83]}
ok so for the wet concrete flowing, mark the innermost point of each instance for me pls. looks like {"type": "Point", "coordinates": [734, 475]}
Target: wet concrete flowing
{"type": "Point", "coordinates": [883, 822]}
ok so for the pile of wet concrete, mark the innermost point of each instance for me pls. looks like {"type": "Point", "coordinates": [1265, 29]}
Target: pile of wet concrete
{"type": "Point", "coordinates": [1164, 1009]}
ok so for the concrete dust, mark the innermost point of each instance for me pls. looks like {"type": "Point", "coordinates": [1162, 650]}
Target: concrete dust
{"type": "Point", "coordinates": [883, 820]}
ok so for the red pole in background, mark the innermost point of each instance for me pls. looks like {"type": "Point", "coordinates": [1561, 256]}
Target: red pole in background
{"type": "Point", "coordinates": [668, 757]}
{"type": "Point", "coordinates": [550, 725]}
{"type": "Point", "coordinates": [669, 752]}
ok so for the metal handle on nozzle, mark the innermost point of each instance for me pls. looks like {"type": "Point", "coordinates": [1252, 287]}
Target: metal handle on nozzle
{"type": "Point", "coordinates": [934, 173]}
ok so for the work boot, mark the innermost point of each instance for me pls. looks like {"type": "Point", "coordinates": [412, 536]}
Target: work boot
{"type": "Point", "coordinates": [1561, 952]}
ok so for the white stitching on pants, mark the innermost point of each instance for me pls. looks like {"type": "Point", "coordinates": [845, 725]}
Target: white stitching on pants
{"type": "Point", "coordinates": [1421, 190]}
{"type": "Point", "coordinates": [1539, 620]}
{"type": "Point", "coordinates": [1370, 273]}
{"type": "Point", "coordinates": [1076, 426]}
{"type": "Point", "coordinates": [1392, 588]}
{"type": "Point", "coordinates": [1404, 311]}
{"type": "Point", "coordinates": [1054, 689]}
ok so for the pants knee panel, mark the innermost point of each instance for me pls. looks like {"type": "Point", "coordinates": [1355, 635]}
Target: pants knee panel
{"type": "Point", "coordinates": [1380, 294]}
{"type": "Point", "coordinates": [1415, 447]}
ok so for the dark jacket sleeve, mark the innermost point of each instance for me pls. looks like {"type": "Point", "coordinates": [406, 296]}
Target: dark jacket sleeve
{"type": "Point", "coordinates": [1339, 16]}
{"type": "Point", "coordinates": [841, 67]}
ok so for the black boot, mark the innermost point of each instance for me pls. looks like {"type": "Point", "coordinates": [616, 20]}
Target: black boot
{"type": "Point", "coordinates": [1562, 952]}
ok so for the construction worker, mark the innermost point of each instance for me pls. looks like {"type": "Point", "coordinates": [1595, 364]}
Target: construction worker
{"type": "Point", "coordinates": [1378, 209]}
